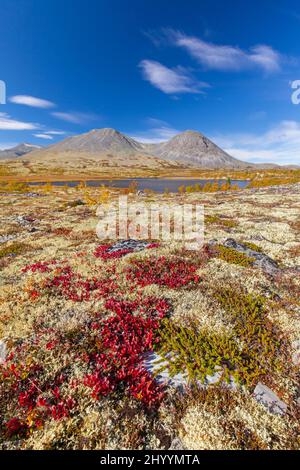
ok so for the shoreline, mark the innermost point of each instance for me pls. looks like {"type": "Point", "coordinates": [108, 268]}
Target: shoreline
{"type": "Point", "coordinates": [71, 178]}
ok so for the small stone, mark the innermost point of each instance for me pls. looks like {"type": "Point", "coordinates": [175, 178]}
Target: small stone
{"type": "Point", "coordinates": [3, 351]}
{"type": "Point", "coordinates": [266, 397]}
{"type": "Point", "coordinates": [21, 220]}
{"type": "Point", "coordinates": [134, 245]}
{"type": "Point", "coordinates": [176, 444]}
{"type": "Point", "coordinates": [296, 352]}
{"type": "Point", "coordinates": [153, 362]}
{"type": "Point", "coordinates": [7, 238]}
{"type": "Point", "coordinates": [34, 195]}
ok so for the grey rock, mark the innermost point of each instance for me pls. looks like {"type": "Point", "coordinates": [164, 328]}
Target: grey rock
{"type": "Point", "coordinates": [33, 195]}
{"type": "Point", "coordinates": [176, 444]}
{"type": "Point", "coordinates": [3, 351]}
{"type": "Point", "coordinates": [21, 220]}
{"type": "Point", "coordinates": [153, 362]}
{"type": "Point", "coordinates": [262, 261]}
{"type": "Point", "coordinates": [266, 397]}
{"type": "Point", "coordinates": [296, 352]}
{"type": "Point", "coordinates": [7, 238]}
{"type": "Point", "coordinates": [134, 245]}
{"type": "Point", "coordinates": [293, 270]}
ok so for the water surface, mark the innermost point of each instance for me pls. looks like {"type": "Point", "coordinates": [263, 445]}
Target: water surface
{"type": "Point", "coordinates": [154, 184]}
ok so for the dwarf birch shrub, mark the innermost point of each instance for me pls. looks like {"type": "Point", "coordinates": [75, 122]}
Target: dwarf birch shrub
{"type": "Point", "coordinates": [251, 352]}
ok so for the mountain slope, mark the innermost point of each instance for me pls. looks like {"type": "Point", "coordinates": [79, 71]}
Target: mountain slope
{"type": "Point", "coordinates": [193, 148]}
{"type": "Point", "coordinates": [98, 140]}
{"type": "Point", "coordinates": [18, 151]}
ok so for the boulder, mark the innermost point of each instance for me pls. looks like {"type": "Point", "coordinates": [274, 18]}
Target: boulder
{"type": "Point", "coordinates": [266, 397]}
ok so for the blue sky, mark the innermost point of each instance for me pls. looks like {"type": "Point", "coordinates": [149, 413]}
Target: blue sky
{"type": "Point", "coordinates": [151, 69]}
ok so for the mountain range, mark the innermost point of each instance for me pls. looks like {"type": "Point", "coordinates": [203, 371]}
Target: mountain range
{"type": "Point", "coordinates": [110, 148]}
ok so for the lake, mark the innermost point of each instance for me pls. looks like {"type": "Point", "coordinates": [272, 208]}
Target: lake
{"type": "Point", "coordinates": [154, 184]}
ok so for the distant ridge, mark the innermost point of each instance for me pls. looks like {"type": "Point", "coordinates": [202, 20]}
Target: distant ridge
{"type": "Point", "coordinates": [18, 151]}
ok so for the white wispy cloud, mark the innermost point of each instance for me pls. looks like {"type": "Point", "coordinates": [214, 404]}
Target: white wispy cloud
{"type": "Point", "coordinates": [31, 101]}
{"type": "Point", "coordinates": [43, 136]}
{"type": "Point", "coordinates": [56, 132]}
{"type": "Point", "coordinates": [155, 135]}
{"type": "Point", "coordinates": [265, 57]}
{"type": "Point", "coordinates": [49, 135]}
{"type": "Point", "coordinates": [225, 57]}
{"type": "Point", "coordinates": [75, 117]}
{"type": "Point", "coordinates": [155, 122]}
{"type": "Point", "coordinates": [170, 81]}
{"type": "Point", "coordinates": [7, 123]}
{"type": "Point", "coordinates": [280, 144]}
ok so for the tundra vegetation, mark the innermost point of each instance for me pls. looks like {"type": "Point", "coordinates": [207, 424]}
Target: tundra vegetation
{"type": "Point", "coordinates": [78, 320]}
